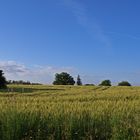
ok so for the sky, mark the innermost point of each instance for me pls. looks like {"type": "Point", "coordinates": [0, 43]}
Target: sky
{"type": "Point", "coordinates": [98, 39]}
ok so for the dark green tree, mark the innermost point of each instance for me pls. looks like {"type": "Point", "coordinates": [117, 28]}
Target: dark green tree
{"type": "Point", "coordinates": [63, 79]}
{"type": "Point", "coordinates": [3, 81]}
{"type": "Point", "coordinates": [105, 83]}
{"type": "Point", "coordinates": [79, 82]}
{"type": "Point", "coordinates": [124, 83]}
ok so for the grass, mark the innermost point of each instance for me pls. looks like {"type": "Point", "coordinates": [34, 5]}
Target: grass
{"type": "Point", "coordinates": [70, 113]}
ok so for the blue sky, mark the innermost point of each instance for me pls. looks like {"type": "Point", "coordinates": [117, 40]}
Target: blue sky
{"type": "Point", "coordinates": [94, 38]}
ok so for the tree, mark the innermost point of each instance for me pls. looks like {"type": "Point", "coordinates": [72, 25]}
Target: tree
{"type": "Point", "coordinates": [124, 83]}
{"type": "Point", "coordinates": [63, 79]}
{"type": "Point", "coordinates": [79, 82]}
{"type": "Point", "coordinates": [105, 83]}
{"type": "Point", "coordinates": [3, 81]}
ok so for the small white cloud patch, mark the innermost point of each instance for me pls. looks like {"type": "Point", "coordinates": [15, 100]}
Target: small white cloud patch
{"type": "Point", "coordinates": [42, 74]}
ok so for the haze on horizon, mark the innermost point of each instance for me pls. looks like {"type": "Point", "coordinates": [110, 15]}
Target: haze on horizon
{"type": "Point", "coordinates": [94, 38]}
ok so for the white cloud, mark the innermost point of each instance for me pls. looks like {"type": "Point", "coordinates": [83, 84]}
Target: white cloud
{"type": "Point", "coordinates": [14, 68]}
{"type": "Point", "coordinates": [43, 74]}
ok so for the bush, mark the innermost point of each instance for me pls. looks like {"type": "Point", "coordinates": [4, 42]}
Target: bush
{"type": "Point", "coordinates": [124, 83]}
{"type": "Point", "coordinates": [89, 85]}
{"type": "Point", "coordinates": [105, 83]}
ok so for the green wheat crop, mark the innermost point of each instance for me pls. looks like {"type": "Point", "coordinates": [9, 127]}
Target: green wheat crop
{"type": "Point", "coordinates": [70, 113]}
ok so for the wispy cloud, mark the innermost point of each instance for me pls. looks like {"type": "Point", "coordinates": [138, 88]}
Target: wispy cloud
{"type": "Point", "coordinates": [124, 35]}
{"type": "Point", "coordinates": [80, 11]}
{"type": "Point", "coordinates": [43, 74]}
{"type": "Point", "coordinates": [14, 68]}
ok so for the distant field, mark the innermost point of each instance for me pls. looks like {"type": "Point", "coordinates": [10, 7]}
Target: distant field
{"type": "Point", "coordinates": [70, 113]}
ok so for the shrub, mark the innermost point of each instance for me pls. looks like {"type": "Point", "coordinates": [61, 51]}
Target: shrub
{"type": "Point", "coordinates": [124, 83]}
{"type": "Point", "coordinates": [105, 83]}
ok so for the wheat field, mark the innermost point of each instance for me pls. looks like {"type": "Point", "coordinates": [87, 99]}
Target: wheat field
{"type": "Point", "coordinates": [69, 113]}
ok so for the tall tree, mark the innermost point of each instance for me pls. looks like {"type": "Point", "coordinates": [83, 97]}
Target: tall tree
{"type": "Point", "coordinates": [79, 82]}
{"type": "Point", "coordinates": [63, 79]}
{"type": "Point", "coordinates": [2, 80]}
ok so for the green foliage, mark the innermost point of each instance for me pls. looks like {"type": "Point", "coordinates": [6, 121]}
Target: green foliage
{"type": "Point", "coordinates": [2, 80]}
{"type": "Point", "coordinates": [79, 82]}
{"type": "Point", "coordinates": [89, 85]}
{"type": "Point", "coordinates": [63, 79]}
{"type": "Point", "coordinates": [105, 83]}
{"type": "Point", "coordinates": [21, 82]}
{"type": "Point", "coordinates": [124, 83]}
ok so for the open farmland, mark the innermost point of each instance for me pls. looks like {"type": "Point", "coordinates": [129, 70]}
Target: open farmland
{"type": "Point", "coordinates": [70, 113]}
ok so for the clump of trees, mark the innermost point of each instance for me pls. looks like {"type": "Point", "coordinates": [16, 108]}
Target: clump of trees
{"type": "Point", "coordinates": [3, 81]}
{"type": "Point", "coordinates": [63, 79]}
{"type": "Point", "coordinates": [21, 82]}
{"type": "Point", "coordinates": [105, 83]}
{"type": "Point", "coordinates": [124, 83]}
{"type": "Point", "coordinates": [66, 79]}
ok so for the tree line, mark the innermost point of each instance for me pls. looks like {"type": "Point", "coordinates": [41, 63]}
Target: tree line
{"type": "Point", "coordinates": [66, 79]}
{"type": "Point", "coordinates": [63, 78]}
{"type": "Point", "coordinates": [21, 82]}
